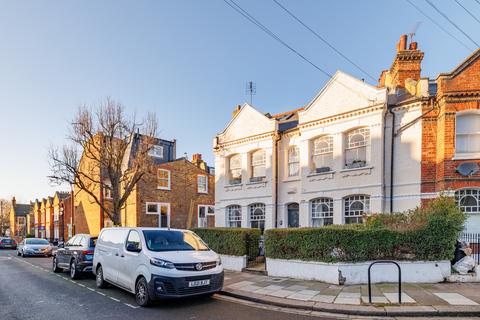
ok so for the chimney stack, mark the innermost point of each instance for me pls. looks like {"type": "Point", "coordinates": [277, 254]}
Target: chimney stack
{"type": "Point", "coordinates": [236, 110]}
{"type": "Point", "coordinates": [406, 65]}
{"type": "Point", "coordinates": [196, 158]}
{"type": "Point", "coordinates": [14, 201]}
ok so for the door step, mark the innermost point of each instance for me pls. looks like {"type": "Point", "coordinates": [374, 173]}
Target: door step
{"type": "Point", "coordinates": [255, 270]}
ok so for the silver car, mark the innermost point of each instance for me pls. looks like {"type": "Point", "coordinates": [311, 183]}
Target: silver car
{"type": "Point", "coordinates": [34, 247]}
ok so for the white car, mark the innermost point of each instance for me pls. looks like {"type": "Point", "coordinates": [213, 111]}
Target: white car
{"type": "Point", "coordinates": [156, 263]}
{"type": "Point", "coordinates": [34, 247]}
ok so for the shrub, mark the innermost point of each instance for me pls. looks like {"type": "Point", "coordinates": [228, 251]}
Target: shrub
{"type": "Point", "coordinates": [231, 241]}
{"type": "Point", "coordinates": [427, 233]}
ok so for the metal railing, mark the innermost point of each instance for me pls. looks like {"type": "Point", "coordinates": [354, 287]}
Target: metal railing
{"type": "Point", "coordinates": [399, 279]}
{"type": "Point", "coordinates": [474, 240]}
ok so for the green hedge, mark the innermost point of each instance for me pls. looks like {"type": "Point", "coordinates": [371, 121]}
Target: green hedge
{"type": "Point", "coordinates": [426, 233]}
{"type": "Point", "coordinates": [231, 241]}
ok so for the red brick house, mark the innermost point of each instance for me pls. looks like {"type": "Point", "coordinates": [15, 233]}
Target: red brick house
{"type": "Point", "coordinates": [445, 112]}
{"type": "Point", "coordinates": [180, 194]}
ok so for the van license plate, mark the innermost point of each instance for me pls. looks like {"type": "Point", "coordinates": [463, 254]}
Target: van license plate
{"type": "Point", "coordinates": [199, 283]}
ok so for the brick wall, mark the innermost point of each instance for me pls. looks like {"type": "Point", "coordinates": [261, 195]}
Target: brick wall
{"type": "Point", "coordinates": [456, 91]}
{"type": "Point", "coordinates": [183, 196]}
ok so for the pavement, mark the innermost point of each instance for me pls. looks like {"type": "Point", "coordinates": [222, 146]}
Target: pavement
{"type": "Point", "coordinates": [427, 300]}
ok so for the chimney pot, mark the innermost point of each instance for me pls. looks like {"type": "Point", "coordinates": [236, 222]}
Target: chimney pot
{"type": "Point", "coordinates": [413, 46]}
{"type": "Point", "coordinates": [236, 110]}
{"type": "Point", "coordinates": [402, 45]}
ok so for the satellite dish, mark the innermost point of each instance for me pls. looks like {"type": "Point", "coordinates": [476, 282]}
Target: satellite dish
{"type": "Point", "coordinates": [467, 169]}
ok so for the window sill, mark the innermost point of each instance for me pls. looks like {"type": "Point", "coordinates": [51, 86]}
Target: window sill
{"type": "Point", "coordinates": [202, 192]}
{"type": "Point", "coordinates": [290, 179]}
{"type": "Point", "coordinates": [314, 174]}
{"type": "Point", "coordinates": [166, 189]}
{"type": "Point", "coordinates": [356, 169]}
{"type": "Point", "coordinates": [233, 185]}
{"type": "Point", "coordinates": [256, 182]}
{"type": "Point", "coordinates": [466, 156]}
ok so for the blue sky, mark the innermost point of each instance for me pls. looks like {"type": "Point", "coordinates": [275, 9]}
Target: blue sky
{"type": "Point", "coordinates": [188, 61]}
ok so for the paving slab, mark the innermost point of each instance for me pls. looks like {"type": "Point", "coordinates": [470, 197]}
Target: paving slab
{"type": "Point", "coordinates": [323, 298]}
{"type": "Point", "coordinates": [455, 299]}
{"type": "Point", "coordinates": [303, 295]}
{"type": "Point", "coordinates": [375, 299]}
{"type": "Point", "coordinates": [393, 297]}
{"type": "Point", "coordinates": [282, 293]}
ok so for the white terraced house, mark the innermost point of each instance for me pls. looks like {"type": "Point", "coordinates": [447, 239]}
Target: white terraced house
{"type": "Point", "coordinates": [330, 162]}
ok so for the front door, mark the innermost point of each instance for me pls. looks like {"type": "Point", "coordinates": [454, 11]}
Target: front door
{"type": "Point", "coordinates": [293, 215]}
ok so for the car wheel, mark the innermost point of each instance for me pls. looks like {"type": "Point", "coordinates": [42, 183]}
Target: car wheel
{"type": "Point", "coordinates": [56, 269]}
{"type": "Point", "coordinates": [142, 296]}
{"type": "Point", "coordinates": [74, 273]}
{"type": "Point", "coordinates": [18, 253]}
{"type": "Point", "coordinates": [23, 254]}
{"type": "Point", "coordinates": [99, 281]}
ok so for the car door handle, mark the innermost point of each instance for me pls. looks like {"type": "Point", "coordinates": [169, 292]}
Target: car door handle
{"type": "Point", "coordinates": [122, 256]}
{"type": "Point", "coordinates": [116, 254]}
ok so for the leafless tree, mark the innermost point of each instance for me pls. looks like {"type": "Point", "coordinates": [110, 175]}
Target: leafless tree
{"type": "Point", "coordinates": [5, 206]}
{"type": "Point", "coordinates": [107, 151]}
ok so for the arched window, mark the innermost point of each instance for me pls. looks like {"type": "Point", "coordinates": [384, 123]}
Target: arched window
{"type": "Point", "coordinates": [468, 200]}
{"type": "Point", "coordinates": [321, 210]}
{"type": "Point", "coordinates": [234, 216]}
{"type": "Point", "coordinates": [355, 207]}
{"type": "Point", "coordinates": [258, 165]}
{"type": "Point", "coordinates": [356, 142]}
{"type": "Point", "coordinates": [322, 154]}
{"type": "Point", "coordinates": [257, 215]}
{"type": "Point", "coordinates": [235, 169]}
{"type": "Point", "coordinates": [467, 138]}
{"type": "Point", "coordinates": [293, 161]}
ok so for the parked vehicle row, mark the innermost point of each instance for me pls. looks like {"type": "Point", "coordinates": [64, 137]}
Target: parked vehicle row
{"type": "Point", "coordinates": [152, 263]}
{"type": "Point", "coordinates": [8, 243]}
{"type": "Point", "coordinates": [34, 247]}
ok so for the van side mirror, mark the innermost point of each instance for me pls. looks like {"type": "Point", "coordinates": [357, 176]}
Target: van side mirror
{"type": "Point", "coordinates": [132, 247]}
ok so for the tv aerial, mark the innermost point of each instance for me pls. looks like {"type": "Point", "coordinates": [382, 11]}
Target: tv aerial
{"type": "Point", "coordinates": [251, 90]}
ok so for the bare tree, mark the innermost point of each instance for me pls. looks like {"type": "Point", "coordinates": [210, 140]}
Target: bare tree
{"type": "Point", "coordinates": [107, 151]}
{"type": "Point", "coordinates": [5, 206]}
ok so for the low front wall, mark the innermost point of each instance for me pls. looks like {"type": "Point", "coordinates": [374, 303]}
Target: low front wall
{"type": "Point", "coordinates": [234, 263]}
{"type": "Point", "coordinates": [357, 273]}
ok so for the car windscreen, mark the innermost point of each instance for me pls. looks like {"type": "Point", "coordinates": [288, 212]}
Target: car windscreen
{"type": "Point", "coordinates": [36, 241]}
{"type": "Point", "coordinates": [172, 240]}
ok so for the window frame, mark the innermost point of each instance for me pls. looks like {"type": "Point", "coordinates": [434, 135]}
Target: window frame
{"type": "Point", "coordinates": [466, 155]}
{"type": "Point", "coordinates": [365, 144]}
{"type": "Point", "coordinates": [321, 217]}
{"type": "Point", "coordinates": [231, 180]}
{"type": "Point", "coordinates": [258, 165]}
{"type": "Point", "coordinates": [294, 161]}
{"type": "Point", "coordinates": [159, 211]}
{"type": "Point", "coordinates": [237, 223]}
{"type": "Point", "coordinates": [470, 192]}
{"type": "Point", "coordinates": [169, 180]}
{"type": "Point", "coordinates": [152, 152]}
{"type": "Point", "coordinates": [357, 217]}
{"type": "Point", "coordinates": [251, 209]}
{"type": "Point", "coordinates": [198, 183]}
{"type": "Point", "coordinates": [322, 153]}
{"type": "Point", "coordinates": [207, 207]}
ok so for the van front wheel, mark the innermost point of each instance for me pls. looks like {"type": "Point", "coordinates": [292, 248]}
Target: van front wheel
{"type": "Point", "coordinates": [141, 293]}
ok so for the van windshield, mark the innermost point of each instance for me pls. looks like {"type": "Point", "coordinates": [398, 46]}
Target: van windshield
{"type": "Point", "coordinates": [168, 240]}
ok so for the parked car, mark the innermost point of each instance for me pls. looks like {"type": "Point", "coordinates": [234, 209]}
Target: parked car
{"type": "Point", "coordinates": [34, 247]}
{"type": "Point", "coordinates": [156, 263]}
{"type": "Point", "coordinates": [76, 255]}
{"type": "Point", "coordinates": [7, 243]}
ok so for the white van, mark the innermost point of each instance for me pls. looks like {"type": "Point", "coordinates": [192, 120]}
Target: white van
{"type": "Point", "coordinates": [156, 263]}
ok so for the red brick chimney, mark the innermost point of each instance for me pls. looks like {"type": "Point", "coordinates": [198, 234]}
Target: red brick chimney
{"type": "Point", "coordinates": [196, 158]}
{"type": "Point", "coordinates": [406, 65]}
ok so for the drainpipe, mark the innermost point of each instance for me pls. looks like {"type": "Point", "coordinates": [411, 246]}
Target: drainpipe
{"type": "Point", "coordinates": [392, 150]}
{"type": "Point", "coordinates": [275, 179]}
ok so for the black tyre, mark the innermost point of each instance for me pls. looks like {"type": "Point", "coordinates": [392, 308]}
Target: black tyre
{"type": "Point", "coordinates": [18, 253]}
{"type": "Point", "coordinates": [23, 254]}
{"type": "Point", "coordinates": [55, 267]}
{"type": "Point", "coordinates": [142, 297]}
{"type": "Point", "coordinates": [99, 281]}
{"type": "Point", "coordinates": [74, 273]}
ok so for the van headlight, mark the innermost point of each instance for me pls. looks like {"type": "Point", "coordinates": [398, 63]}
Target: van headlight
{"type": "Point", "coordinates": [219, 261]}
{"type": "Point", "coordinates": [162, 263]}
